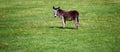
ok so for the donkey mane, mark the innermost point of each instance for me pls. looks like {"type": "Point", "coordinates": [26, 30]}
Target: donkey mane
{"type": "Point", "coordinates": [60, 11]}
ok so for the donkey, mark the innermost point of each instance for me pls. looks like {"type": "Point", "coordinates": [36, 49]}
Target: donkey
{"type": "Point", "coordinates": [67, 16]}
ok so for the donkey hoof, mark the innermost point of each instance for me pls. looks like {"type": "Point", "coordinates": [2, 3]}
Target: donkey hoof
{"type": "Point", "coordinates": [63, 27]}
{"type": "Point", "coordinates": [76, 28]}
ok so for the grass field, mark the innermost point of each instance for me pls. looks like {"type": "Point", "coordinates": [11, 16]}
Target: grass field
{"type": "Point", "coordinates": [30, 26]}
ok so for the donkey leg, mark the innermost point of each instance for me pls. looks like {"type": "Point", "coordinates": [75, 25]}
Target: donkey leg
{"type": "Point", "coordinates": [76, 23]}
{"type": "Point", "coordinates": [63, 22]}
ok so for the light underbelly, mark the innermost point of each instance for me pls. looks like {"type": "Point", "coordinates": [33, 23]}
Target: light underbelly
{"type": "Point", "coordinates": [69, 19]}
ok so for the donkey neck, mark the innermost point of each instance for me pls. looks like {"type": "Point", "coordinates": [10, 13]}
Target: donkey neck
{"type": "Point", "coordinates": [60, 11]}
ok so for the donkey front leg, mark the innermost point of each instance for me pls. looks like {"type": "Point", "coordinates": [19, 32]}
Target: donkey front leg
{"type": "Point", "coordinates": [63, 22]}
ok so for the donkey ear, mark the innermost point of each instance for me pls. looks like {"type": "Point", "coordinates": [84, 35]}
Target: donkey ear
{"type": "Point", "coordinates": [53, 7]}
{"type": "Point", "coordinates": [59, 7]}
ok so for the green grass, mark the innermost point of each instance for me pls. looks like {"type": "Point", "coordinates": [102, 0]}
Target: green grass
{"type": "Point", "coordinates": [29, 26]}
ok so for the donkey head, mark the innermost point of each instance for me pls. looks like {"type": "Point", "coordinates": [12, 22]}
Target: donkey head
{"type": "Point", "coordinates": [56, 11]}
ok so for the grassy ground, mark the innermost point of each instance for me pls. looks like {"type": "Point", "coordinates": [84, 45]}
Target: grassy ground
{"type": "Point", "coordinates": [29, 26]}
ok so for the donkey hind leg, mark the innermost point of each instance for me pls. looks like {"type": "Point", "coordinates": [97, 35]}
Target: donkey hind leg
{"type": "Point", "coordinates": [76, 20]}
{"type": "Point", "coordinates": [63, 22]}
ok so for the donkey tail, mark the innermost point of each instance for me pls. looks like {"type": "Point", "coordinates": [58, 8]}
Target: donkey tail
{"type": "Point", "coordinates": [77, 19]}
{"type": "Point", "coordinates": [77, 16]}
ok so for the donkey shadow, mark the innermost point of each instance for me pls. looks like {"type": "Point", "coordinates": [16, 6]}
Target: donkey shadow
{"type": "Point", "coordinates": [62, 27]}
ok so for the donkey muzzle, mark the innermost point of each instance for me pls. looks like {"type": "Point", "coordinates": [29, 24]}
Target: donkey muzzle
{"type": "Point", "coordinates": [55, 16]}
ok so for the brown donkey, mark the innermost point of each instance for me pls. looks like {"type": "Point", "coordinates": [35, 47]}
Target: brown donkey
{"type": "Point", "coordinates": [67, 15]}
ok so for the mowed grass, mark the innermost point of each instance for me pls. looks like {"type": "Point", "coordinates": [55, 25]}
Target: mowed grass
{"type": "Point", "coordinates": [29, 26]}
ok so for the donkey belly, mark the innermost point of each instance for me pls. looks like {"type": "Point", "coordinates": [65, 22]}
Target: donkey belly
{"type": "Point", "coordinates": [69, 19]}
